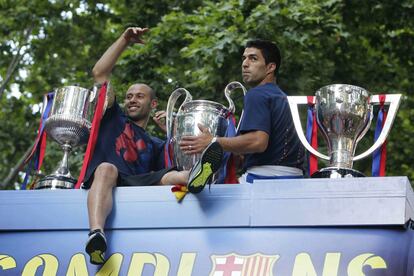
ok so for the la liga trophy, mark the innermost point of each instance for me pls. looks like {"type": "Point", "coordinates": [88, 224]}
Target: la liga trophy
{"type": "Point", "coordinates": [344, 113]}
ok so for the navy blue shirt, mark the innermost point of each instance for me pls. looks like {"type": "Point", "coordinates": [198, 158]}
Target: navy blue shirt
{"type": "Point", "coordinates": [127, 146]}
{"type": "Point", "coordinates": [266, 108]}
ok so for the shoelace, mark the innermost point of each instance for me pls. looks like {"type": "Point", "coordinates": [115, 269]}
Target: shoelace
{"type": "Point", "coordinates": [95, 231]}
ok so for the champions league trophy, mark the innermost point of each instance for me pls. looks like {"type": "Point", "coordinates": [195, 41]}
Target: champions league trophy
{"type": "Point", "coordinates": [69, 125]}
{"type": "Point", "coordinates": [193, 112]}
{"type": "Point", "coordinates": [344, 113]}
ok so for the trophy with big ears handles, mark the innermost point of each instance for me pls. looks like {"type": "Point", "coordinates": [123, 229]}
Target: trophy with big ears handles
{"type": "Point", "coordinates": [191, 112]}
{"type": "Point", "coordinates": [344, 114]}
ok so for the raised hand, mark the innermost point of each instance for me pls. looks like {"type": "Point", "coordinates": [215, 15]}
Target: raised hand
{"type": "Point", "coordinates": [134, 34]}
{"type": "Point", "coordinates": [103, 68]}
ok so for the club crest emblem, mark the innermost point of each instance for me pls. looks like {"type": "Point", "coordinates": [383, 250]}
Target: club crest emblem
{"type": "Point", "coordinates": [238, 265]}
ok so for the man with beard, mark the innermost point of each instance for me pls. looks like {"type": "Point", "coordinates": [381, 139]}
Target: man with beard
{"type": "Point", "coordinates": [125, 154]}
{"type": "Point", "coordinates": [266, 138]}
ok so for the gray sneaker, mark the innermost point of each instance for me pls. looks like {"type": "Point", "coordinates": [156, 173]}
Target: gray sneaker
{"type": "Point", "coordinates": [202, 171]}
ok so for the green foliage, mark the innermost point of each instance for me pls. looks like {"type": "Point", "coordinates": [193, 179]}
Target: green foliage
{"type": "Point", "coordinates": [197, 45]}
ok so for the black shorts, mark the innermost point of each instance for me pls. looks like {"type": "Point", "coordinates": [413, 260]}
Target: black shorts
{"type": "Point", "coordinates": [145, 179]}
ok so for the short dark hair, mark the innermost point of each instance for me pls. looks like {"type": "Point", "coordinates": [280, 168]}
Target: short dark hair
{"type": "Point", "coordinates": [270, 51]}
{"type": "Point", "coordinates": [151, 91]}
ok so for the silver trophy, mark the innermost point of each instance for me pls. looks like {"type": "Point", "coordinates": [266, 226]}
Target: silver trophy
{"type": "Point", "coordinates": [344, 114]}
{"type": "Point", "coordinates": [193, 112]}
{"type": "Point", "coordinates": [69, 125]}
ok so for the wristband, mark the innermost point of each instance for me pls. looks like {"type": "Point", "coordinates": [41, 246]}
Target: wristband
{"type": "Point", "coordinates": [213, 140]}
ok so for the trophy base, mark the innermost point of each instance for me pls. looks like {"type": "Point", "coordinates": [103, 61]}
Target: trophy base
{"type": "Point", "coordinates": [54, 182]}
{"type": "Point", "coordinates": [336, 173]}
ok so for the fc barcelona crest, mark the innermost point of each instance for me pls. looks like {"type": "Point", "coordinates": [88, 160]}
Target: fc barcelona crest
{"type": "Point", "coordinates": [238, 265]}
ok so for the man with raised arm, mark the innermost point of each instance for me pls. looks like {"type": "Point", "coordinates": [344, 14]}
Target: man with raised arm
{"type": "Point", "coordinates": [125, 154]}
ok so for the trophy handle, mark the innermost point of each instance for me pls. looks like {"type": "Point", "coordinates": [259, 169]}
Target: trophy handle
{"type": "Point", "coordinates": [367, 125]}
{"type": "Point", "coordinates": [170, 106]}
{"type": "Point", "coordinates": [293, 104]}
{"type": "Point", "coordinates": [394, 102]}
{"type": "Point", "coordinates": [228, 91]}
{"type": "Point", "coordinates": [93, 97]}
{"type": "Point", "coordinates": [93, 94]}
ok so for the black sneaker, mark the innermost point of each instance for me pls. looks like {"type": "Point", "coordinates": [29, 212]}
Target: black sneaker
{"type": "Point", "coordinates": [202, 171]}
{"type": "Point", "coordinates": [96, 247]}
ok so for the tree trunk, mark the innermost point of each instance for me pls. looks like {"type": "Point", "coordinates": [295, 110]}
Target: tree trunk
{"type": "Point", "coordinates": [15, 170]}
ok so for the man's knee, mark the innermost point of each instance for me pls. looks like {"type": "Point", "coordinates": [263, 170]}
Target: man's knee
{"type": "Point", "coordinates": [106, 171]}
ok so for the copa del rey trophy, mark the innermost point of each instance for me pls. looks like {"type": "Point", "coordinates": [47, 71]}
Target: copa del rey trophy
{"type": "Point", "coordinates": [191, 113]}
{"type": "Point", "coordinates": [344, 114]}
{"type": "Point", "coordinates": [68, 124]}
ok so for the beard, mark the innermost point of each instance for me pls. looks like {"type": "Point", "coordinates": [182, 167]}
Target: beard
{"type": "Point", "coordinates": [139, 115]}
{"type": "Point", "coordinates": [250, 82]}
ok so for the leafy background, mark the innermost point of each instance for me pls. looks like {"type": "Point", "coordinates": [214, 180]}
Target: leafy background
{"type": "Point", "coordinates": [197, 45]}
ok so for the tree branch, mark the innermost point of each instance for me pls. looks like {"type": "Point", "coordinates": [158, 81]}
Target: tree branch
{"type": "Point", "coordinates": [16, 169]}
{"type": "Point", "coordinates": [15, 61]}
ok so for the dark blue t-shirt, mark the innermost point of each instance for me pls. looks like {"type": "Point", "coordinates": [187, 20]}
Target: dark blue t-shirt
{"type": "Point", "coordinates": [127, 146]}
{"type": "Point", "coordinates": [266, 108]}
